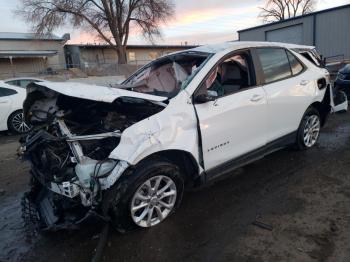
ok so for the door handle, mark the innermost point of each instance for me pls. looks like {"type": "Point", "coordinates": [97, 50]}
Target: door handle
{"type": "Point", "coordinates": [304, 82]}
{"type": "Point", "coordinates": [4, 102]}
{"type": "Point", "coordinates": [256, 98]}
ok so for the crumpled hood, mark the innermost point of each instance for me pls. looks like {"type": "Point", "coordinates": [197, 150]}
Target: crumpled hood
{"type": "Point", "coordinates": [96, 93]}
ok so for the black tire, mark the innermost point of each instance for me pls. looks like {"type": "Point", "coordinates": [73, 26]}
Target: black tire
{"type": "Point", "coordinates": [300, 143]}
{"type": "Point", "coordinates": [117, 200]}
{"type": "Point", "coordinates": [13, 120]}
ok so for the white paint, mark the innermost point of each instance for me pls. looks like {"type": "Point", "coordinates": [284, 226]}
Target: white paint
{"type": "Point", "coordinates": [10, 104]}
{"type": "Point", "coordinates": [230, 127]}
{"type": "Point", "coordinates": [245, 124]}
{"type": "Point", "coordinates": [96, 93]}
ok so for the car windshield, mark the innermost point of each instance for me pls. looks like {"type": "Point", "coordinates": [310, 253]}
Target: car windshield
{"type": "Point", "coordinates": [168, 75]}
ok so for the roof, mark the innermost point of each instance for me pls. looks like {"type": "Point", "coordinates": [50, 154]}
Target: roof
{"type": "Point", "coordinates": [25, 53]}
{"type": "Point", "coordinates": [29, 36]}
{"type": "Point", "coordinates": [234, 45]}
{"type": "Point", "coordinates": [135, 46]}
{"type": "Point", "coordinates": [296, 17]}
{"type": "Point", "coordinates": [23, 78]}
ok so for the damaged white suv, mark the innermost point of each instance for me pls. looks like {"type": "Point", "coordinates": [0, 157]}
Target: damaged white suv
{"type": "Point", "coordinates": [126, 153]}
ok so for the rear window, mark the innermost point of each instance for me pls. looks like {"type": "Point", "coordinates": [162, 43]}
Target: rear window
{"type": "Point", "coordinates": [312, 58]}
{"type": "Point", "coordinates": [24, 83]}
{"type": "Point", "coordinates": [6, 92]}
{"type": "Point", "coordinates": [13, 82]}
{"type": "Point", "coordinates": [275, 64]}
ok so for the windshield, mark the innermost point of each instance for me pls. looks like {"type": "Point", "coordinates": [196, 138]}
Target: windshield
{"type": "Point", "coordinates": [168, 75]}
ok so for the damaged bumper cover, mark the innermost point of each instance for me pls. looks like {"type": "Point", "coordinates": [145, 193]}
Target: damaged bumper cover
{"type": "Point", "coordinates": [60, 202]}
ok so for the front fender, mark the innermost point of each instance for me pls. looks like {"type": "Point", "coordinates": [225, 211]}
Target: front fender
{"type": "Point", "coordinates": [175, 128]}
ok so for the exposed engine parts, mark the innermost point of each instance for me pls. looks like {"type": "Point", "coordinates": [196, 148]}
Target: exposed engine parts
{"type": "Point", "coordinates": [69, 151]}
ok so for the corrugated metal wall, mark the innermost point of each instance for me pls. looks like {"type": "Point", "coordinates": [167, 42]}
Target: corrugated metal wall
{"type": "Point", "coordinates": [333, 33]}
{"type": "Point", "coordinates": [331, 37]}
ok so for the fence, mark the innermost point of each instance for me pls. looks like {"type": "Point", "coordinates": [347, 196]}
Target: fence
{"type": "Point", "coordinates": [83, 69]}
{"type": "Point", "coordinates": [27, 67]}
{"type": "Point", "coordinates": [108, 69]}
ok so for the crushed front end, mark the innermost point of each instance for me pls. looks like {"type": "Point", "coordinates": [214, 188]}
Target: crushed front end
{"type": "Point", "coordinates": [69, 150]}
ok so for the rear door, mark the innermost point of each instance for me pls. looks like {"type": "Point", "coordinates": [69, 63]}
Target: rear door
{"type": "Point", "coordinates": [288, 88]}
{"type": "Point", "coordinates": [235, 122]}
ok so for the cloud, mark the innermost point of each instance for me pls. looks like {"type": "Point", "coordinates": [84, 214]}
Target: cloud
{"type": "Point", "coordinates": [196, 21]}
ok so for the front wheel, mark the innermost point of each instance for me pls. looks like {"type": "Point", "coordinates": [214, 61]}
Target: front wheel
{"type": "Point", "coordinates": [309, 129]}
{"type": "Point", "coordinates": [146, 197]}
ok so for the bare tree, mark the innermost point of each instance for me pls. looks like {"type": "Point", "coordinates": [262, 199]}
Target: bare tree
{"type": "Point", "coordinates": [112, 20]}
{"type": "Point", "coordinates": [277, 10]}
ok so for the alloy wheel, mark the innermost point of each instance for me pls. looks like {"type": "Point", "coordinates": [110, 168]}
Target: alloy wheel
{"type": "Point", "coordinates": [311, 130]}
{"type": "Point", "coordinates": [153, 201]}
{"type": "Point", "coordinates": [19, 124]}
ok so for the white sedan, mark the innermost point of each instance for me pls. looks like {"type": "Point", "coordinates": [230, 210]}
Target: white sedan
{"type": "Point", "coordinates": [22, 81]}
{"type": "Point", "coordinates": [11, 113]}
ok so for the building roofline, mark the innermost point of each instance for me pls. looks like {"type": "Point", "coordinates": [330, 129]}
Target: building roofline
{"type": "Point", "coordinates": [30, 37]}
{"type": "Point", "coordinates": [133, 46]}
{"type": "Point", "coordinates": [295, 18]}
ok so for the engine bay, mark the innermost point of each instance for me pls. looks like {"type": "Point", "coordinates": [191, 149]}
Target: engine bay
{"type": "Point", "coordinates": [69, 148]}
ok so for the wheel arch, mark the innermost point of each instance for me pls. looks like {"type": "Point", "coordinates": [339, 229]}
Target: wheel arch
{"type": "Point", "coordinates": [324, 107]}
{"type": "Point", "coordinates": [12, 113]}
{"type": "Point", "coordinates": [183, 159]}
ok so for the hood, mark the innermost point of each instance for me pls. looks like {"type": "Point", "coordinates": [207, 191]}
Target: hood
{"type": "Point", "coordinates": [96, 93]}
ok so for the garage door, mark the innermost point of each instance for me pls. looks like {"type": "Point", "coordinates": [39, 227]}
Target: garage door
{"type": "Point", "coordinates": [290, 34]}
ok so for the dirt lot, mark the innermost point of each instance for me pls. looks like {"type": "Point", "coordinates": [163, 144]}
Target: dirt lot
{"type": "Point", "coordinates": [304, 196]}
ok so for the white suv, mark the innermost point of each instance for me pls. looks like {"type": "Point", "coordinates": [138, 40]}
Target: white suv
{"type": "Point", "coordinates": [127, 152]}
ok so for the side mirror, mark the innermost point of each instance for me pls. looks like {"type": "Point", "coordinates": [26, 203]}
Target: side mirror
{"type": "Point", "coordinates": [203, 98]}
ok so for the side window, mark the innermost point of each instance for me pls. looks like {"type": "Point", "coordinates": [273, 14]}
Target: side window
{"type": "Point", "coordinates": [296, 66]}
{"type": "Point", "coordinates": [230, 76]}
{"type": "Point", "coordinates": [311, 57]}
{"type": "Point", "coordinates": [275, 64]}
{"type": "Point", "coordinates": [13, 82]}
{"type": "Point", "coordinates": [6, 92]}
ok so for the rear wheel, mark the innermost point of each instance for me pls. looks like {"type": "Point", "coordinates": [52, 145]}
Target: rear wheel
{"type": "Point", "coordinates": [17, 124]}
{"type": "Point", "coordinates": [309, 129]}
{"type": "Point", "coordinates": [146, 197]}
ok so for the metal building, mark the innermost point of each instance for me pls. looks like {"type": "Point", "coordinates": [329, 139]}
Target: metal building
{"type": "Point", "coordinates": [328, 30]}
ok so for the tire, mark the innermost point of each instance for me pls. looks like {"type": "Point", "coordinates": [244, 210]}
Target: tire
{"type": "Point", "coordinates": [16, 123]}
{"type": "Point", "coordinates": [121, 197]}
{"type": "Point", "coordinates": [309, 129]}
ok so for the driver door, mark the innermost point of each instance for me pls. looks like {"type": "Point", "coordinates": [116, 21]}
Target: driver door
{"type": "Point", "coordinates": [234, 123]}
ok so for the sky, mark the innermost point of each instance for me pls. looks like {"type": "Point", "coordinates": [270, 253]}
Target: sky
{"type": "Point", "coordinates": [195, 21]}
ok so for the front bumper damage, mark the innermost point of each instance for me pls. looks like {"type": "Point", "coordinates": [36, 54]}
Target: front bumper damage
{"type": "Point", "coordinates": [64, 202]}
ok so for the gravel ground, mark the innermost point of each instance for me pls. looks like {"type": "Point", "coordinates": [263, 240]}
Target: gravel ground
{"type": "Point", "coordinates": [303, 196]}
